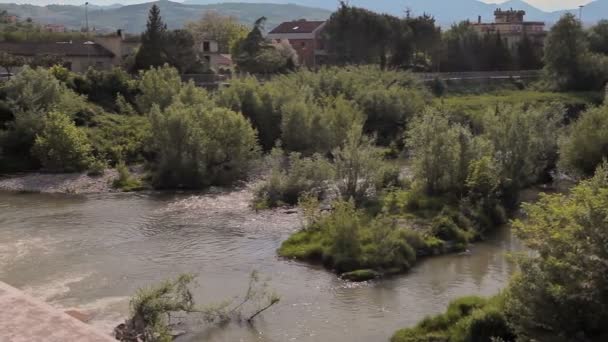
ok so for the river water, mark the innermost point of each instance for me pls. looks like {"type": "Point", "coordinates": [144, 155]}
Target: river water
{"type": "Point", "coordinates": [93, 252]}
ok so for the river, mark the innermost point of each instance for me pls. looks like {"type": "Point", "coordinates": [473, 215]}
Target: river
{"type": "Point", "coordinates": [92, 252]}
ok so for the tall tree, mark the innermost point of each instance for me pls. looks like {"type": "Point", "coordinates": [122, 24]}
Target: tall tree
{"type": "Point", "coordinates": [150, 53]}
{"type": "Point", "coordinates": [598, 37]}
{"type": "Point", "coordinates": [226, 30]}
{"type": "Point", "coordinates": [179, 51]}
{"type": "Point", "coordinates": [8, 61]}
{"type": "Point", "coordinates": [564, 51]}
{"type": "Point", "coordinates": [528, 54]}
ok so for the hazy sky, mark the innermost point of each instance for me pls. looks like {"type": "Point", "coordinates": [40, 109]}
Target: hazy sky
{"type": "Point", "coordinates": [548, 5]}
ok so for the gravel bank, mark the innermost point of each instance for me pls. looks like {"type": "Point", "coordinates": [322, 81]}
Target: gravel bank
{"type": "Point", "coordinates": [72, 183]}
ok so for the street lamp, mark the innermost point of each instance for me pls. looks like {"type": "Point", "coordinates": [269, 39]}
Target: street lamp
{"type": "Point", "coordinates": [580, 13]}
{"type": "Point", "coordinates": [88, 44]}
{"type": "Point", "coordinates": [86, 15]}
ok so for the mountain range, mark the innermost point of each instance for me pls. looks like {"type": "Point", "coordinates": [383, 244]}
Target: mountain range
{"type": "Point", "coordinates": [445, 11]}
{"type": "Point", "coordinates": [132, 18]}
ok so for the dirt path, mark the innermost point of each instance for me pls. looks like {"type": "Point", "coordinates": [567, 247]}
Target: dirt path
{"type": "Point", "coordinates": [73, 183]}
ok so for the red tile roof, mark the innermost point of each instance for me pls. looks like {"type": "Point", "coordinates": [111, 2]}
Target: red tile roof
{"type": "Point", "coordinates": [298, 26]}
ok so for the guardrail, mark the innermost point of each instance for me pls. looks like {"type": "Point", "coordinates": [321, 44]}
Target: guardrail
{"type": "Point", "coordinates": [216, 80]}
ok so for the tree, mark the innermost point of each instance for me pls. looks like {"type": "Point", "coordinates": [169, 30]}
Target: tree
{"type": "Point", "coordinates": [197, 146]}
{"type": "Point", "coordinates": [158, 86]}
{"type": "Point", "coordinates": [585, 144]}
{"type": "Point", "coordinates": [225, 30]}
{"type": "Point", "coordinates": [8, 61]}
{"type": "Point", "coordinates": [255, 54]}
{"type": "Point", "coordinates": [179, 51]}
{"type": "Point", "coordinates": [61, 146]}
{"type": "Point", "coordinates": [525, 141]}
{"type": "Point", "coordinates": [598, 37]}
{"type": "Point", "coordinates": [560, 293]}
{"type": "Point", "coordinates": [359, 167]}
{"type": "Point", "coordinates": [528, 57]}
{"type": "Point", "coordinates": [441, 152]}
{"type": "Point", "coordinates": [569, 64]}
{"type": "Point", "coordinates": [150, 53]}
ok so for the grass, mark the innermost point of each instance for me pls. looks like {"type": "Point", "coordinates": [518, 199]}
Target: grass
{"type": "Point", "coordinates": [125, 181]}
{"type": "Point", "coordinates": [359, 247]}
{"type": "Point", "coordinates": [466, 319]}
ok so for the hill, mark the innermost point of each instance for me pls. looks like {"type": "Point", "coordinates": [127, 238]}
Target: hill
{"type": "Point", "coordinates": [446, 12]}
{"type": "Point", "coordinates": [133, 18]}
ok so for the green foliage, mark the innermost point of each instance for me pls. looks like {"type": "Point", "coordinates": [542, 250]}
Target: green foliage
{"type": "Point", "coordinates": [584, 145]}
{"type": "Point", "coordinates": [525, 141]}
{"type": "Point", "coordinates": [196, 147]}
{"type": "Point", "coordinates": [259, 103]}
{"type": "Point", "coordinates": [467, 319]}
{"type": "Point", "coordinates": [441, 152]}
{"type": "Point", "coordinates": [61, 146]}
{"type": "Point", "coordinates": [150, 53]}
{"type": "Point", "coordinates": [290, 179]}
{"type": "Point", "coordinates": [348, 241]}
{"type": "Point", "coordinates": [102, 87]}
{"type": "Point", "coordinates": [569, 64]}
{"type": "Point", "coordinates": [360, 167]}
{"type": "Point", "coordinates": [8, 61]}
{"type": "Point", "coordinates": [257, 55]}
{"type": "Point", "coordinates": [151, 307]}
{"type": "Point", "coordinates": [559, 294]}
{"type": "Point", "coordinates": [227, 31]}
{"type": "Point", "coordinates": [598, 37]}
{"type": "Point", "coordinates": [125, 181]}
{"type": "Point", "coordinates": [158, 86]}
{"type": "Point", "coordinates": [116, 137]}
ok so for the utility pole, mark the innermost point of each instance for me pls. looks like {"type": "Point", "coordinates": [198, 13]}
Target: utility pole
{"type": "Point", "coordinates": [580, 13]}
{"type": "Point", "coordinates": [86, 16]}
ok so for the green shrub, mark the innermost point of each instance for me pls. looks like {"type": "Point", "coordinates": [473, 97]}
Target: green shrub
{"type": "Point", "coordinates": [125, 181]}
{"type": "Point", "coordinates": [585, 144]}
{"type": "Point", "coordinates": [349, 241]}
{"type": "Point", "coordinates": [197, 147]}
{"type": "Point", "coordinates": [467, 319]}
{"type": "Point", "coordinates": [117, 137]}
{"type": "Point", "coordinates": [291, 179]}
{"type": "Point", "coordinates": [61, 146]}
{"type": "Point", "coordinates": [158, 86]}
{"type": "Point", "coordinates": [97, 168]}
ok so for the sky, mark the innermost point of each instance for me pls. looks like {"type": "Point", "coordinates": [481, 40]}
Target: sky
{"type": "Point", "coordinates": [550, 5]}
{"type": "Point", "coordinates": [547, 5]}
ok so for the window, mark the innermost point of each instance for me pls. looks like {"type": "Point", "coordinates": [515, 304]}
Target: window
{"type": "Point", "coordinates": [303, 44]}
{"type": "Point", "coordinates": [206, 46]}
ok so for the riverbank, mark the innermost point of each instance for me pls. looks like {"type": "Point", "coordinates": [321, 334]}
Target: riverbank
{"type": "Point", "coordinates": [59, 183]}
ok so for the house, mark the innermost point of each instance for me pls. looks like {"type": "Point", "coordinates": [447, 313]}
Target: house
{"type": "Point", "coordinates": [209, 51]}
{"type": "Point", "coordinates": [306, 38]}
{"type": "Point", "coordinates": [56, 28]}
{"type": "Point", "coordinates": [512, 27]}
{"type": "Point", "coordinates": [9, 19]}
{"type": "Point", "coordinates": [101, 52]}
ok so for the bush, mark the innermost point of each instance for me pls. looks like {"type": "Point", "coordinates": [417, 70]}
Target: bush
{"type": "Point", "coordinates": [287, 183]}
{"type": "Point", "coordinates": [61, 146]}
{"type": "Point", "coordinates": [348, 241]}
{"type": "Point", "coordinates": [197, 147]}
{"type": "Point", "coordinates": [117, 137]}
{"type": "Point", "coordinates": [158, 86]}
{"type": "Point", "coordinates": [467, 319]}
{"type": "Point", "coordinates": [125, 181]}
{"type": "Point", "coordinates": [584, 145]}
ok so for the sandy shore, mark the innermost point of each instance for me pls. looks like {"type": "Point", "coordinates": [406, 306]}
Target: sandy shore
{"type": "Point", "coordinates": [72, 183]}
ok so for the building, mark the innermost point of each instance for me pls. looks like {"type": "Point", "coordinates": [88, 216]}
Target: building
{"type": "Point", "coordinates": [209, 51]}
{"type": "Point", "coordinates": [306, 38]}
{"type": "Point", "coordinates": [9, 19]}
{"type": "Point", "coordinates": [56, 28]}
{"type": "Point", "coordinates": [512, 27]}
{"type": "Point", "coordinates": [101, 52]}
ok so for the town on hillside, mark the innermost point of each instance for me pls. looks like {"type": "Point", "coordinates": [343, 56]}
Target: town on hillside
{"type": "Point", "coordinates": [212, 45]}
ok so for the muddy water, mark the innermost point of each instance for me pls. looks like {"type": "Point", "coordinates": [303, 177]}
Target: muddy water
{"type": "Point", "coordinates": [93, 252]}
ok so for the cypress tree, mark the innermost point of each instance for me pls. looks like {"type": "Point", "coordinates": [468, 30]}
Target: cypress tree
{"type": "Point", "coordinates": [150, 53]}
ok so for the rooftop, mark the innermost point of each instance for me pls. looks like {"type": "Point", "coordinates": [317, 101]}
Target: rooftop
{"type": "Point", "coordinates": [297, 26]}
{"type": "Point", "coordinates": [71, 48]}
